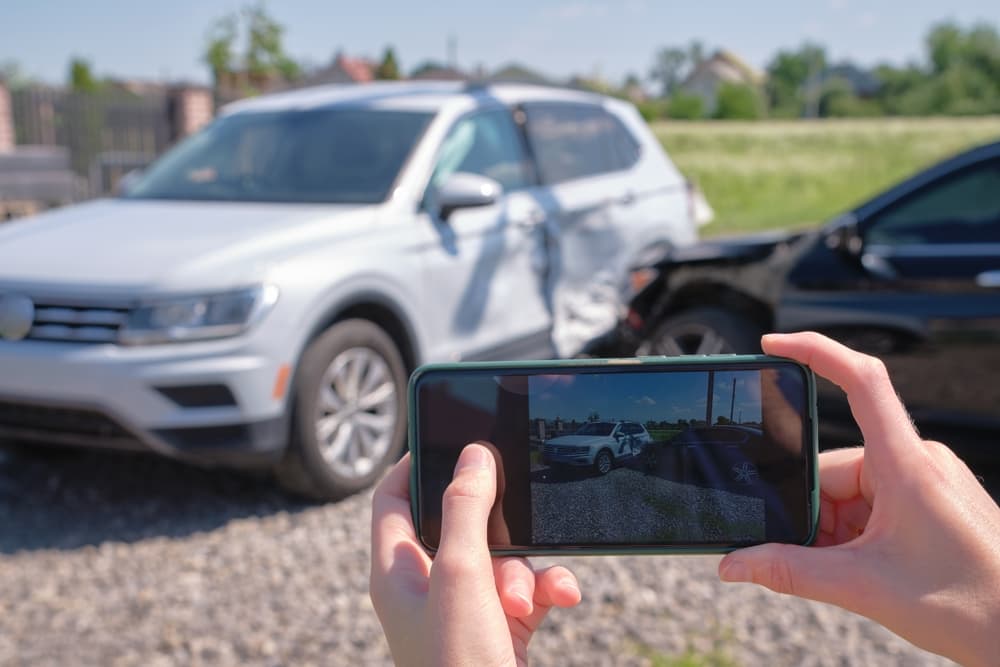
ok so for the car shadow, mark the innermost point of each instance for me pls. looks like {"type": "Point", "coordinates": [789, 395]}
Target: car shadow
{"type": "Point", "coordinates": [67, 499]}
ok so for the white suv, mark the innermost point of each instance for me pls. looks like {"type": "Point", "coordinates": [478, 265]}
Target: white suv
{"type": "Point", "coordinates": [260, 294]}
{"type": "Point", "coordinates": [597, 444]}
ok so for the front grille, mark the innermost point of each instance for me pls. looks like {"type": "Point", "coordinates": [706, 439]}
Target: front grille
{"type": "Point", "coordinates": [564, 450]}
{"type": "Point", "coordinates": [77, 322]}
{"type": "Point", "coordinates": [61, 425]}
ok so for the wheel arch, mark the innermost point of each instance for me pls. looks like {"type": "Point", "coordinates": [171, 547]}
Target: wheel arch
{"type": "Point", "coordinates": [708, 294]}
{"type": "Point", "coordinates": [379, 310]}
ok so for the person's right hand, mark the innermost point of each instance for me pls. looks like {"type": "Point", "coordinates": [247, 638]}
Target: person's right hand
{"type": "Point", "coordinates": [908, 536]}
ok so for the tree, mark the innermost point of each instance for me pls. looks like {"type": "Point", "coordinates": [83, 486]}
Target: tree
{"type": "Point", "coordinates": [667, 68]}
{"type": "Point", "coordinates": [738, 102]}
{"type": "Point", "coordinates": [426, 67]}
{"type": "Point", "coordinates": [263, 56]}
{"type": "Point", "coordinates": [793, 79]}
{"type": "Point", "coordinates": [265, 49]}
{"type": "Point", "coordinates": [695, 53]}
{"type": "Point", "coordinates": [686, 107]}
{"type": "Point", "coordinates": [81, 77]}
{"type": "Point", "coordinates": [13, 75]}
{"type": "Point", "coordinates": [219, 53]}
{"type": "Point", "coordinates": [388, 69]}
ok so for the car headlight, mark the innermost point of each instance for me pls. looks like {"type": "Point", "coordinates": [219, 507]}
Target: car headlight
{"type": "Point", "coordinates": [198, 317]}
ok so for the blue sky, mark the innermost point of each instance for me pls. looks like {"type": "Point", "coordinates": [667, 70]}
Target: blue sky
{"type": "Point", "coordinates": [645, 396]}
{"type": "Point", "coordinates": [163, 40]}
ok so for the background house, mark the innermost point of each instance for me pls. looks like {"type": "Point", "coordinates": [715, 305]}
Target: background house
{"type": "Point", "coordinates": [709, 75]}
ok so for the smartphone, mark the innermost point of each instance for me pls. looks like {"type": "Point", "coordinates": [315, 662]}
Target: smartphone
{"type": "Point", "coordinates": [647, 455]}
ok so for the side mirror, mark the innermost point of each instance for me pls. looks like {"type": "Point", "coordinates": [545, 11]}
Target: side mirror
{"type": "Point", "coordinates": [128, 181]}
{"type": "Point", "coordinates": [464, 190]}
{"type": "Point", "coordinates": [844, 236]}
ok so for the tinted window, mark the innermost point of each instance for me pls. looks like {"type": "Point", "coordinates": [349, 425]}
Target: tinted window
{"type": "Point", "coordinates": [577, 140]}
{"type": "Point", "coordinates": [321, 156]}
{"type": "Point", "coordinates": [596, 428]}
{"type": "Point", "coordinates": [961, 208]}
{"type": "Point", "coordinates": [487, 144]}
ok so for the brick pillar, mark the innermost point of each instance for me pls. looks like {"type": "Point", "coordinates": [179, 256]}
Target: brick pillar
{"type": "Point", "coordinates": [193, 108]}
{"type": "Point", "coordinates": [6, 120]}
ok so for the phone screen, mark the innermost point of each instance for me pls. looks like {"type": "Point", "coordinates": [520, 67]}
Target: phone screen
{"type": "Point", "coordinates": [642, 456]}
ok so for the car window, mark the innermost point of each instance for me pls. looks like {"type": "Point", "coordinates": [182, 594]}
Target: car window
{"type": "Point", "coordinates": [572, 141]}
{"type": "Point", "coordinates": [960, 208]}
{"type": "Point", "coordinates": [487, 144]}
{"type": "Point", "coordinates": [596, 428]}
{"type": "Point", "coordinates": [314, 156]}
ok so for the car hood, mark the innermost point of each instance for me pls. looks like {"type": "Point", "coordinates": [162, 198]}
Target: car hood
{"type": "Point", "coordinates": [580, 440]}
{"type": "Point", "coordinates": [131, 244]}
{"type": "Point", "coordinates": [747, 248]}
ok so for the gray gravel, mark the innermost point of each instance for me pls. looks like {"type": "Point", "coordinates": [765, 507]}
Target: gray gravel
{"type": "Point", "coordinates": [110, 559]}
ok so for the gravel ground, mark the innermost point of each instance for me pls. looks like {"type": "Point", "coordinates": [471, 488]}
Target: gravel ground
{"type": "Point", "coordinates": [111, 559]}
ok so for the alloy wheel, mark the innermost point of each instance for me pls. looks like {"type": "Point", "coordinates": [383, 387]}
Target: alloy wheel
{"type": "Point", "coordinates": [689, 338]}
{"type": "Point", "coordinates": [356, 412]}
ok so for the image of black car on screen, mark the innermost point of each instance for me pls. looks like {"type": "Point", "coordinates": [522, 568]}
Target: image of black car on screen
{"type": "Point", "coordinates": [598, 445]}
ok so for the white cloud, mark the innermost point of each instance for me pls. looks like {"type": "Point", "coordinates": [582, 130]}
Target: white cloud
{"type": "Point", "coordinates": [646, 400]}
{"type": "Point", "coordinates": [838, 5]}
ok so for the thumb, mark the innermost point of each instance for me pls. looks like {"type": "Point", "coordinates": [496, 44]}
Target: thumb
{"type": "Point", "coordinates": [825, 574]}
{"type": "Point", "coordinates": [463, 555]}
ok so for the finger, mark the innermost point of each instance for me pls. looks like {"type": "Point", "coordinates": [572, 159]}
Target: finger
{"type": "Point", "coordinates": [557, 586]}
{"type": "Point", "coordinates": [392, 522]}
{"type": "Point", "coordinates": [554, 587]}
{"type": "Point", "coordinates": [829, 574]}
{"type": "Point", "coordinates": [463, 559]}
{"type": "Point", "coordinates": [874, 404]}
{"type": "Point", "coordinates": [840, 473]}
{"type": "Point", "coordinates": [398, 560]}
{"type": "Point", "coordinates": [515, 581]}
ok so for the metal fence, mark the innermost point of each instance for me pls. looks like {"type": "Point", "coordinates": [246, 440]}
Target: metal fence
{"type": "Point", "coordinates": [106, 133]}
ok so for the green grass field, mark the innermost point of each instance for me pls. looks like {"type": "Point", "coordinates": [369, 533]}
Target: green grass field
{"type": "Point", "coordinates": [763, 175]}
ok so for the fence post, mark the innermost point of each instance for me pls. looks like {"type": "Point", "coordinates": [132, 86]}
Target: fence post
{"type": "Point", "coordinates": [193, 108]}
{"type": "Point", "coordinates": [6, 120]}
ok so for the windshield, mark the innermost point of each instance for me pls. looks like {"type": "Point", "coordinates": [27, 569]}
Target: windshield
{"type": "Point", "coordinates": [314, 156]}
{"type": "Point", "coordinates": [596, 428]}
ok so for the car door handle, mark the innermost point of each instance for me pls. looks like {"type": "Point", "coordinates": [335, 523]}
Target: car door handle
{"type": "Point", "coordinates": [627, 199]}
{"type": "Point", "coordinates": [988, 279]}
{"type": "Point", "coordinates": [529, 221]}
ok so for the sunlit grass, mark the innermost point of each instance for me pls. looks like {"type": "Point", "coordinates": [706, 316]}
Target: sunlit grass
{"type": "Point", "coordinates": [764, 175]}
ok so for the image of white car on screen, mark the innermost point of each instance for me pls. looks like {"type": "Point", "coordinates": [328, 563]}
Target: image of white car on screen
{"type": "Point", "coordinates": [599, 445]}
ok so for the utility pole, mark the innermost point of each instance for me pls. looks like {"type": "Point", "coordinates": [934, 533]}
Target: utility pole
{"type": "Point", "coordinates": [732, 402]}
{"type": "Point", "coordinates": [708, 400]}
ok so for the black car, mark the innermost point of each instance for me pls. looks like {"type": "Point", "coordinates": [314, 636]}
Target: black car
{"type": "Point", "coordinates": [911, 276]}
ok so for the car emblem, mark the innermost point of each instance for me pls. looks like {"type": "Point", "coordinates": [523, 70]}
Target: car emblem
{"type": "Point", "coordinates": [744, 472]}
{"type": "Point", "coordinates": [17, 313]}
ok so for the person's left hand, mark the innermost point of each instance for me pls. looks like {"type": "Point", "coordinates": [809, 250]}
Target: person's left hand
{"type": "Point", "coordinates": [463, 607]}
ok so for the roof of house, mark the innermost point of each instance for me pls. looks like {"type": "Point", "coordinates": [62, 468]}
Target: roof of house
{"type": "Point", "coordinates": [359, 69]}
{"type": "Point", "coordinates": [726, 65]}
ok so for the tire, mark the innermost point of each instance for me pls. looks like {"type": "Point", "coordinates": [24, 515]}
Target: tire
{"type": "Point", "coordinates": [603, 462]}
{"type": "Point", "coordinates": [704, 331]}
{"type": "Point", "coordinates": [348, 412]}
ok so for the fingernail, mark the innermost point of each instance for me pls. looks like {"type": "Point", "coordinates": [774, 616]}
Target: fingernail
{"type": "Point", "coordinates": [735, 571]}
{"type": "Point", "coordinates": [569, 585]}
{"type": "Point", "coordinates": [473, 456]}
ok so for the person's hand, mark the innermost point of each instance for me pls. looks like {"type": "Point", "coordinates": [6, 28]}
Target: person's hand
{"type": "Point", "coordinates": [907, 535]}
{"type": "Point", "coordinates": [462, 608]}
